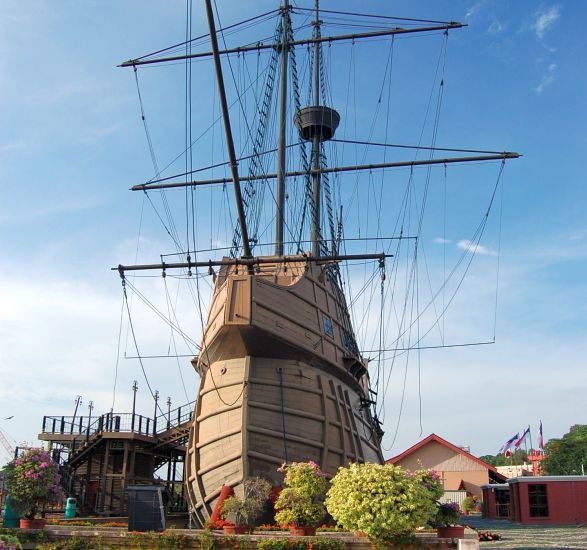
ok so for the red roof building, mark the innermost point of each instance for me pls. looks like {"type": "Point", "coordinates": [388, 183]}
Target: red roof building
{"type": "Point", "coordinates": [458, 469]}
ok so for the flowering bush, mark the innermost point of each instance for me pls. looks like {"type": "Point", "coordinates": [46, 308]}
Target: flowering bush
{"type": "Point", "coordinates": [217, 524]}
{"type": "Point", "coordinates": [10, 541]}
{"type": "Point", "coordinates": [430, 481]}
{"type": "Point", "coordinates": [382, 501]}
{"type": "Point", "coordinates": [298, 503]}
{"type": "Point", "coordinates": [33, 481]}
{"type": "Point", "coordinates": [447, 513]}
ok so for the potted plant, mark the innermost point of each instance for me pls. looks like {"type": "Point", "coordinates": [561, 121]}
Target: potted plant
{"type": "Point", "coordinates": [446, 520]}
{"type": "Point", "coordinates": [470, 504]}
{"type": "Point", "coordinates": [298, 505]}
{"type": "Point", "coordinates": [383, 501]}
{"type": "Point", "coordinates": [33, 481]}
{"type": "Point", "coordinates": [243, 512]}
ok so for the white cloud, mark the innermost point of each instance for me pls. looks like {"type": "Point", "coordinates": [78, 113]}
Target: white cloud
{"type": "Point", "coordinates": [474, 10]}
{"type": "Point", "coordinates": [440, 240]}
{"type": "Point", "coordinates": [49, 209]}
{"type": "Point", "coordinates": [59, 339]}
{"type": "Point", "coordinates": [545, 19]}
{"type": "Point", "coordinates": [496, 26]}
{"type": "Point", "coordinates": [475, 248]}
{"type": "Point", "coordinates": [547, 78]}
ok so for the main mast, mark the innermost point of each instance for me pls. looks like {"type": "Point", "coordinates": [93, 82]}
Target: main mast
{"type": "Point", "coordinates": [316, 140]}
{"type": "Point", "coordinates": [316, 124]}
{"type": "Point", "coordinates": [281, 148]}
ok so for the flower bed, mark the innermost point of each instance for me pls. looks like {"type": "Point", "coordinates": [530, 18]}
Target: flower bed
{"type": "Point", "coordinates": [98, 538]}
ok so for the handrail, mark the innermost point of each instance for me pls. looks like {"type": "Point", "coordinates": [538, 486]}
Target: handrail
{"type": "Point", "coordinates": [117, 422]}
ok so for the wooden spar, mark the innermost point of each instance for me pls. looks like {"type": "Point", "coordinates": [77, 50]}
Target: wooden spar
{"type": "Point", "coordinates": [316, 235]}
{"type": "Point", "coordinates": [280, 209]}
{"type": "Point", "coordinates": [229, 141]}
{"type": "Point", "coordinates": [359, 167]}
{"type": "Point", "coordinates": [313, 40]}
{"type": "Point", "coordinates": [251, 262]}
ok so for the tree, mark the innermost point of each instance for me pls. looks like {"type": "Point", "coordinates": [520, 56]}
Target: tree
{"type": "Point", "coordinates": [518, 457]}
{"type": "Point", "coordinates": [566, 455]}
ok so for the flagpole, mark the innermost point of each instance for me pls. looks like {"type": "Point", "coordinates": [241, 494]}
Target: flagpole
{"type": "Point", "coordinates": [526, 446]}
{"type": "Point", "coordinates": [530, 435]}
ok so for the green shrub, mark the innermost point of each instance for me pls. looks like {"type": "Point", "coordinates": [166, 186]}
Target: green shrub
{"type": "Point", "coordinates": [69, 544]}
{"type": "Point", "coordinates": [286, 543]}
{"type": "Point", "coordinates": [383, 501]}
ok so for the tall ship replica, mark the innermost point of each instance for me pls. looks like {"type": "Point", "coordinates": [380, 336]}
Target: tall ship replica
{"type": "Point", "coordinates": [284, 372]}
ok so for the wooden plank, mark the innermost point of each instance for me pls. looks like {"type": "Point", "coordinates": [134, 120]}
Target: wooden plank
{"type": "Point", "coordinates": [295, 412]}
{"type": "Point", "coordinates": [217, 437]}
{"type": "Point", "coordinates": [238, 310]}
{"type": "Point", "coordinates": [355, 432]}
{"type": "Point", "coordinates": [326, 425]}
{"type": "Point", "coordinates": [227, 446]}
{"type": "Point", "coordinates": [278, 435]}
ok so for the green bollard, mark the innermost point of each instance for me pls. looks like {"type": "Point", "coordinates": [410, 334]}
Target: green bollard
{"type": "Point", "coordinates": [70, 506]}
{"type": "Point", "coordinates": [10, 519]}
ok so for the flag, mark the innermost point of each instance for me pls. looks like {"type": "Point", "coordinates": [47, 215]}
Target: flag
{"type": "Point", "coordinates": [508, 453]}
{"type": "Point", "coordinates": [524, 436]}
{"type": "Point", "coordinates": [540, 438]}
{"type": "Point", "coordinates": [508, 443]}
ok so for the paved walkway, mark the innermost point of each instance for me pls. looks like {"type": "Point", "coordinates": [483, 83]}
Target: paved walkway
{"type": "Point", "coordinates": [526, 537]}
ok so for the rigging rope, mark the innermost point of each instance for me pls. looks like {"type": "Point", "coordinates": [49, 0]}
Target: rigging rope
{"type": "Point", "coordinates": [132, 330]}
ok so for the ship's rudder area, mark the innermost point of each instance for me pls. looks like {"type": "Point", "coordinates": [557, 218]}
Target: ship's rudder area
{"type": "Point", "coordinates": [265, 411]}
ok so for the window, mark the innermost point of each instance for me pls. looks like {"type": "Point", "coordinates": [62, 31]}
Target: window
{"type": "Point", "coordinates": [327, 322]}
{"type": "Point", "coordinates": [538, 501]}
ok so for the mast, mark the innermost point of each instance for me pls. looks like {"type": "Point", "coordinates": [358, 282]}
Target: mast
{"type": "Point", "coordinates": [281, 148]}
{"type": "Point", "coordinates": [228, 131]}
{"type": "Point", "coordinates": [316, 141]}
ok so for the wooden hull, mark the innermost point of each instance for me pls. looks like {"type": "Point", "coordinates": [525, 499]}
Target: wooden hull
{"type": "Point", "coordinates": [270, 395]}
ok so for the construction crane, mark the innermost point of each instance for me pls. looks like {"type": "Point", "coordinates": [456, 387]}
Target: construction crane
{"type": "Point", "coordinates": [6, 444]}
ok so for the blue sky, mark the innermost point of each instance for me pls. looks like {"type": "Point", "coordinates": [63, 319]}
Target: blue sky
{"type": "Point", "coordinates": [72, 143]}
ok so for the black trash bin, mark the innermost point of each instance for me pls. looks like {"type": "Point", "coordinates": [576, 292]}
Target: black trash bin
{"type": "Point", "coordinates": [146, 511]}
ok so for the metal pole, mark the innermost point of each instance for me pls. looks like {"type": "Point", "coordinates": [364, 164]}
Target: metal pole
{"type": "Point", "coordinates": [90, 409]}
{"type": "Point", "coordinates": [316, 141]}
{"type": "Point", "coordinates": [168, 412]}
{"type": "Point", "coordinates": [156, 397]}
{"type": "Point", "coordinates": [135, 387]}
{"type": "Point", "coordinates": [281, 148]}
{"type": "Point", "coordinates": [78, 400]}
{"type": "Point", "coordinates": [228, 131]}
